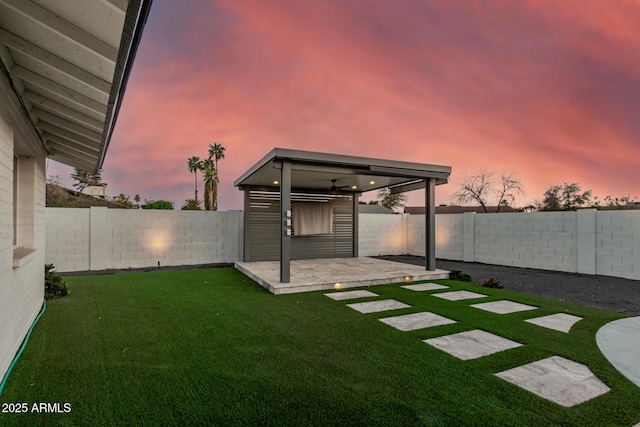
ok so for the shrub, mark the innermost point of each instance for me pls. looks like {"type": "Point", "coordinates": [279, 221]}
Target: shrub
{"type": "Point", "coordinates": [459, 275]}
{"type": "Point", "coordinates": [54, 285]}
{"type": "Point", "coordinates": [492, 282]}
{"type": "Point", "coordinates": [158, 204]}
{"type": "Point", "coordinates": [191, 205]}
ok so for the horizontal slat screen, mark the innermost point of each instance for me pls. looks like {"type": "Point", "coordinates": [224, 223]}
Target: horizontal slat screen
{"type": "Point", "coordinates": [264, 228]}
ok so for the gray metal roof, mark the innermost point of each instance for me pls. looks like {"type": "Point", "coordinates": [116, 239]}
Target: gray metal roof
{"type": "Point", "coordinates": [321, 171]}
{"type": "Point", "coordinates": [68, 63]}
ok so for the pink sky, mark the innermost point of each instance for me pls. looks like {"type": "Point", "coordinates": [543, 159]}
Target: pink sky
{"type": "Point", "coordinates": [548, 89]}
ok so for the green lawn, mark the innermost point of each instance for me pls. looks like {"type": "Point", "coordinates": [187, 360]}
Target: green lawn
{"type": "Point", "coordinates": [211, 347]}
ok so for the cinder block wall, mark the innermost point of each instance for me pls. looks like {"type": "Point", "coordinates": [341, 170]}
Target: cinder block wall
{"type": "Point", "coordinates": [449, 236]}
{"type": "Point", "coordinates": [617, 243]}
{"type": "Point", "coordinates": [100, 238]}
{"type": "Point", "coordinates": [586, 241]}
{"type": "Point", "coordinates": [404, 234]}
{"type": "Point", "coordinates": [545, 240]}
{"type": "Point", "coordinates": [382, 234]}
{"type": "Point", "coordinates": [67, 237]}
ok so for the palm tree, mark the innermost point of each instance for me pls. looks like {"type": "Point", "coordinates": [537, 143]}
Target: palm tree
{"type": "Point", "coordinates": [191, 205]}
{"type": "Point", "coordinates": [210, 176]}
{"type": "Point", "coordinates": [216, 152]}
{"type": "Point", "coordinates": [193, 163]}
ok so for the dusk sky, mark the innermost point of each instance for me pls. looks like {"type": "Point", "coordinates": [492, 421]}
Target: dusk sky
{"type": "Point", "coordinates": [549, 89]}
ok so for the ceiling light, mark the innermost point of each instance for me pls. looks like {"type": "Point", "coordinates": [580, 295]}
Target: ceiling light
{"type": "Point", "coordinates": [275, 182]}
{"type": "Point", "coordinates": [372, 182]}
{"type": "Point", "coordinates": [353, 187]}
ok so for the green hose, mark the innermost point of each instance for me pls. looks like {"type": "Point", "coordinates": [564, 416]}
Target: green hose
{"type": "Point", "coordinates": [24, 344]}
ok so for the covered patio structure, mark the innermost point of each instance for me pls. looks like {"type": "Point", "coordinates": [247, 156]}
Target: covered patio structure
{"type": "Point", "coordinates": [301, 205]}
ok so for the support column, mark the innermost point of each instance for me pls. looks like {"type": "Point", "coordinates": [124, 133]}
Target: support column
{"type": "Point", "coordinates": [285, 231]}
{"type": "Point", "coordinates": [356, 209]}
{"type": "Point", "coordinates": [586, 233]}
{"type": "Point", "coordinates": [246, 255]}
{"type": "Point", "coordinates": [98, 237]}
{"type": "Point", "coordinates": [468, 237]}
{"type": "Point", "coordinates": [430, 224]}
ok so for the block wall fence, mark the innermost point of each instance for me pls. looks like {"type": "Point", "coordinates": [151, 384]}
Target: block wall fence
{"type": "Point", "coordinates": [587, 241]}
{"type": "Point", "coordinates": [99, 238]}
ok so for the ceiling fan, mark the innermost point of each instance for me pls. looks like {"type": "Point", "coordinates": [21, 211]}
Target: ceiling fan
{"type": "Point", "coordinates": [334, 188]}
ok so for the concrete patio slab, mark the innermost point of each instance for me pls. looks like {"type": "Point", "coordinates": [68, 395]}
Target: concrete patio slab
{"type": "Point", "coordinates": [424, 287]}
{"type": "Point", "coordinates": [340, 296]}
{"type": "Point", "coordinates": [411, 322]}
{"type": "Point", "coordinates": [472, 344]}
{"type": "Point", "coordinates": [377, 306]}
{"type": "Point", "coordinates": [557, 379]}
{"type": "Point", "coordinates": [619, 341]}
{"type": "Point", "coordinates": [503, 307]}
{"type": "Point", "coordinates": [458, 295]}
{"type": "Point", "coordinates": [560, 322]}
{"type": "Point", "coordinates": [335, 273]}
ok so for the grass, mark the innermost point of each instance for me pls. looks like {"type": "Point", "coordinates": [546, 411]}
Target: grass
{"type": "Point", "coordinates": [210, 347]}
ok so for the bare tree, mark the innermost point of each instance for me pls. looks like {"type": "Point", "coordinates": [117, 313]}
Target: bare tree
{"type": "Point", "coordinates": [482, 187]}
{"type": "Point", "coordinates": [510, 184]}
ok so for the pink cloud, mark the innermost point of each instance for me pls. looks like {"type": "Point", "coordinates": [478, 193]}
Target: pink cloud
{"type": "Point", "coordinates": [548, 90]}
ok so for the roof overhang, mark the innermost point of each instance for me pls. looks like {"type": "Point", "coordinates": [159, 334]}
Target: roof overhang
{"type": "Point", "coordinates": [68, 63]}
{"type": "Point", "coordinates": [316, 172]}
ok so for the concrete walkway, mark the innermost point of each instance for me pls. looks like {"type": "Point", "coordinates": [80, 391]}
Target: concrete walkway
{"type": "Point", "coordinates": [555, 378]}
{"type": "Point", "coordinates": [619, 341]}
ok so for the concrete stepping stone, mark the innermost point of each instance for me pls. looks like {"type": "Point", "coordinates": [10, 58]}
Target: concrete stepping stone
{"type": "Point", "coordinates": [559, 322]}
{"type": "Point", "coordinates": [557, 379]}
{"type": "Point", "coordinates": [424, 287]}
{"type": "Point", "coordinates": [472, 344]}
{"type": "Point", "coordinates": [503, 307]}
{"type": "Point", "coordinates": [411, 322]}
{"type": "Point", "coordinates": [377, 306]}
{"type": "Point", "coordinates": [339, 296]}
{"type": "Point", "coordinates": [458, 295]}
